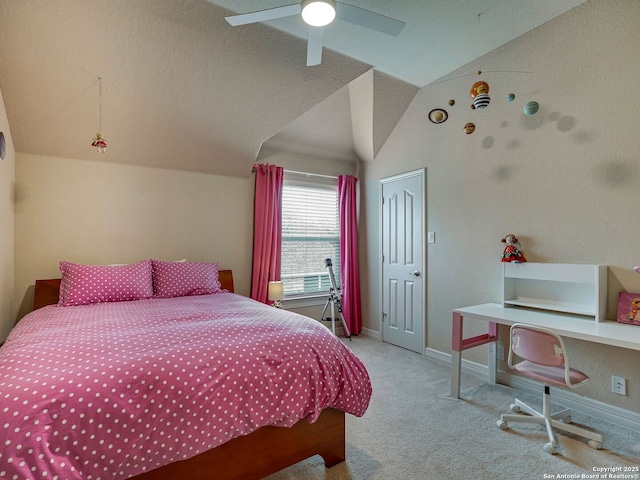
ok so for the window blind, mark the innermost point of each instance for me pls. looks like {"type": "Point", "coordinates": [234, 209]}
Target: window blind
{"type": "Point", "coordinates": [310, 234]}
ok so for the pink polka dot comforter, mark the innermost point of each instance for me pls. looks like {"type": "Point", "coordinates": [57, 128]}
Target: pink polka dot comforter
{"type": "Point", "coordinates": [116, 389]}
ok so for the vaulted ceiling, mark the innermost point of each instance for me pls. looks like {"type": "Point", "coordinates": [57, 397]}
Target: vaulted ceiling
{"type": "Point", "coordinates": [182, 89]}
{"type": "Point", "coordinates": [439, 36]}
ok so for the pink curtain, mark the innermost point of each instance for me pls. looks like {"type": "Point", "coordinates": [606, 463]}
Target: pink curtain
{"type": "Point", "coordinates": [267, 229]}
{"type": "Point", "coordinates": [349, 270]}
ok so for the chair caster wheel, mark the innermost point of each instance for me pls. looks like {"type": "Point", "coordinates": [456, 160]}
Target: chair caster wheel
{"type": "Point", "coordinates": [550, 448]}
{"type": "Point", "coordinates": [567, 419]}
{"type": "Point", "coordinates": [594, 444]}
{"type": "Point", "coordinates": [515, 408]}
{"type": "Point", "coordinates": [502, 425]}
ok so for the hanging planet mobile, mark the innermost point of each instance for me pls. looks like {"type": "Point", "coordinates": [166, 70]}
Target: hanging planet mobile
{"type": "Point", "coordinates": [481, 101]}
{"type": "Point", "coordinates": [438, 115]}
{"type": "Point", "coordinates": [531, 108]}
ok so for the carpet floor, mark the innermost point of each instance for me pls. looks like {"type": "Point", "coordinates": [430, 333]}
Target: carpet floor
{"type": "Point", "coordinates": [414, 430]}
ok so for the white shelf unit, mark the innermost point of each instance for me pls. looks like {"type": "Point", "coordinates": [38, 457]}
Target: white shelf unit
{"type": "Point", "coordinates": [558, 287]}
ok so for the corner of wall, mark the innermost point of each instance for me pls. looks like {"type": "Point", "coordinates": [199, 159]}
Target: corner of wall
{"type": "Point", "coordinates": [7, 181]}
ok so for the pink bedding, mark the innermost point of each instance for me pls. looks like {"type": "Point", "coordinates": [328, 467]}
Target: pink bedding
{"type": "Point", "coordinates": [116, 389]}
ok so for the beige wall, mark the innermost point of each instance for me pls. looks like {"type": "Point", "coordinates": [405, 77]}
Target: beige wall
{"type": "Point", "coordinates": [7, 169]}
{"type": "Point", "coordinates": [89, 211]}
{"type": "Point", "coordinates": [565, 180]}
{"type": "Point", "coordinates": [94, 212]}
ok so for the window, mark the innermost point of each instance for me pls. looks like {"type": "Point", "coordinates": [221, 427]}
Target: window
{"type": "Point", "coordinates": [310, 234]}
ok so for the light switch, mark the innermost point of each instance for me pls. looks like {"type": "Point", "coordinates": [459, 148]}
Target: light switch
{"type": "Point", "coordinates": [431, 237]}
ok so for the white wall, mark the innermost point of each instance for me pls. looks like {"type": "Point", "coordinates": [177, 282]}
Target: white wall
{"type": "Point", "coordinates": [564, 180]}
{"type": "Point", "coordinates": [7, 174]}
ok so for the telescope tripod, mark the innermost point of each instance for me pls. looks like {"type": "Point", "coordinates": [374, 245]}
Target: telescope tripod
{"type": "Point", "coordinates": [335, 300]}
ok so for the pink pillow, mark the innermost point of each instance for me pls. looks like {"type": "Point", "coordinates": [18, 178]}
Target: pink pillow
{"type": "Point", "coordinates": [85, 284]}
{"type": "Point", "coordinates": [175, 279]}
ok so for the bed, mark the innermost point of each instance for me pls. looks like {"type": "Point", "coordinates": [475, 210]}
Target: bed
{"type": "Point", "coordinates": [125, 389]}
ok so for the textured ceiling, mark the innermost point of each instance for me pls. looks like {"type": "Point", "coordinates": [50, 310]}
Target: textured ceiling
{"type": "Point", "coordinates": [439, 36]}
{"type": "Point", "coordinates": [182, 89]}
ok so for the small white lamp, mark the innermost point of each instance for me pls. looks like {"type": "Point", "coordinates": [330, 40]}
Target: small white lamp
{"type": "Point", "coordinates": [276, 293]}
{"type": "Point", "coordinates": [318, 13]}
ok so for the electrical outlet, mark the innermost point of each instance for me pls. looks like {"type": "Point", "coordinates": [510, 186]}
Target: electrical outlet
{"type": "Point", "coordinates": [619, 385]}
{"type": "Point", "coordinates": [500, 352]}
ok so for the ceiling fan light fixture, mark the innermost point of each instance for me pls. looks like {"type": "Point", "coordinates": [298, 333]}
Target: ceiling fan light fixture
{"type": "Point", "coordinates": [318, 13]}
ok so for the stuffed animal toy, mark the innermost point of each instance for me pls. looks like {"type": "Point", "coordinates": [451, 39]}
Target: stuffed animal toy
{"type": "Point", "coordinates": [512, 252]}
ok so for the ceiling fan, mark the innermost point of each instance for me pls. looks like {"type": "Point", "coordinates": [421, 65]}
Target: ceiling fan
{"type": "Point", "coordinates": [317, 14]}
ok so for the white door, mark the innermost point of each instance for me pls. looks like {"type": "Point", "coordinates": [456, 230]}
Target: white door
{"type": "Point", "coordinates": [403, 268]}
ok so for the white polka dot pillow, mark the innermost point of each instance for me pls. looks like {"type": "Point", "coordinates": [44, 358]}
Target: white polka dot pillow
{"type": "Point", "coordinates": [182, 279]}
{"type": "Point", "coordinates": [86, 284]}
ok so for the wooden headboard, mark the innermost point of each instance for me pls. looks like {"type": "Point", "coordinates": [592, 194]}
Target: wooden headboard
{"type": "Point", "coordinates": [47, 292]}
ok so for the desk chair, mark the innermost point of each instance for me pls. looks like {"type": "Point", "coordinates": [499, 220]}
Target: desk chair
{"type": "Point", "coordinates": [544, 358]}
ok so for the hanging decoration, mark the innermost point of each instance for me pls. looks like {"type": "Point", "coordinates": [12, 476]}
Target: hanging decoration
{"type": "Point", "coordinates": [99, 141]}
{"type": "Point", "coordinates": [3, 146]}
{"type": "Point", "coordinates": [480, 95]}
{"type": "Point", "coordinates": [482, 100]}
{"type": "Point", "coordinates": [438, 115]}
{"type": "Point", "coordinates": [531, 108]}
{"type": "Point", "coordinates": [479, 87]}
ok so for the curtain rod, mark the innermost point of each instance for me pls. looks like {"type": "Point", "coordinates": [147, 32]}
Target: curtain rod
{"type": "Point", "coordinates": [311, 174]}
{"type": "Point", "coordinates": [253, 170]}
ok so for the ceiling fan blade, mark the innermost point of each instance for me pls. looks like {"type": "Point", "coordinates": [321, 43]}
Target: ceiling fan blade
{"type": "Point", "coordinates": [264, 15]}
{"type": "Point", "coordinates": [314, 46]}
{"type": "Point", "coordinates": [369, 19]}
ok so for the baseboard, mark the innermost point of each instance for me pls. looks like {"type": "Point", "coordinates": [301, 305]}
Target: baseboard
{"type": "Point", "coordinates": [596, 409]}
{"type": "Point", "coordinates": [472, 368]}
{"type": "Point", "coordinates": [367, 332]}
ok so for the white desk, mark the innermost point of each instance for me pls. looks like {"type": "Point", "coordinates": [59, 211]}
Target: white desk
{"type": "Point", "coordinates": [571, 326]}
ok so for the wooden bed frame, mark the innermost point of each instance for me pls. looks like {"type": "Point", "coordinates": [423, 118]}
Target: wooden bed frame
{"type": "Point", "coordinates": [47, 292]}
{"type": "Point", "coordinates": [254, 456]}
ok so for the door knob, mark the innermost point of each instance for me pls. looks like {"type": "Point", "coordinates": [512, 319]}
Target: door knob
{"type": "Point", "coordinates": [416, 273]}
